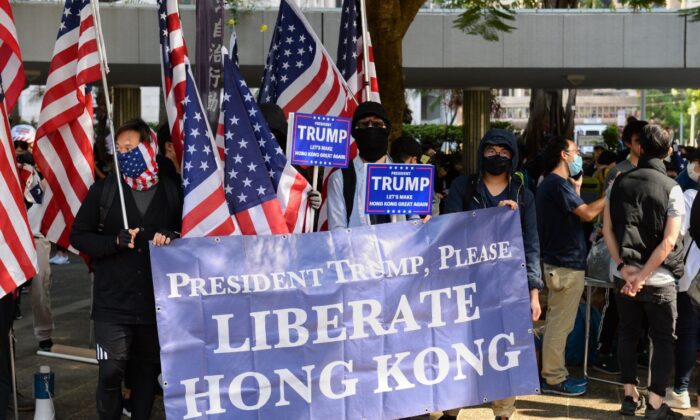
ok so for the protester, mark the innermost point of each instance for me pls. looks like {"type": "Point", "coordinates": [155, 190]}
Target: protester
{"type": "Point", "coordinates": [560, 211]}
{"type": "Point", "coordinates": [496, 184]}
{"type": "Point", "coordinates": [7, 310]}
{"type": "Point", "coordinates": [123, 302]}
{"type": "Point", "coordinates": [168, 165]}
{"type": "Point", "coordinates": [643, 216]}
{"type": "Point", "coordinates": [406, 149]}
{"type": "Point", "coordinates": [23, 137]}
{"type": "Point", "coordinates": [346, 188]}
{"type": "Point", "coordinates": [630, 138]}
{"type": "Point", "coordinates": [687, 323]}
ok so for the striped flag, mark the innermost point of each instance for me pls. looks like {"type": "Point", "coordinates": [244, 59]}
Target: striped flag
{"type": "Point", "coordinates": [172, 59]}
{"type": "Point", "coordinates": [299, 75]}
{"type": "Point", "coordinates": [11, 70]}
{"type": "Point", "coordinates": [63, 149]}
{"type": "Point", "coordinates": [205, 211]}
{"type": "Point", "coordinates": [256, 170]}
{"type": "Point", "coordinates": [350, 58]}
{"type": "Point", "coordinates": [17, 251]}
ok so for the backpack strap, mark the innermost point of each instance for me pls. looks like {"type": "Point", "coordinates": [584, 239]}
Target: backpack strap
{"type": "Point", "coordinates": [349, 183]}
{"type": "Point", "coordinates": [109, 190]}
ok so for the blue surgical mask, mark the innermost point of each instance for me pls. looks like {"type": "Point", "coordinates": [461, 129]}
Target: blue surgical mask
{"type": "Point", "coordinates": [576, 166]}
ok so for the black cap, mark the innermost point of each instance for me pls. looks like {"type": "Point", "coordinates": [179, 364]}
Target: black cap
{"type": "Point", "coordinates": [370, 108]}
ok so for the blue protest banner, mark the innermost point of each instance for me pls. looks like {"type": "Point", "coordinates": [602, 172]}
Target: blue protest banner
{"type": "Point", "coordinates": [375, 322]}
{"type": "Point", "coordinates": [399, 188]}
{"type": "Point", "coordinates": [320, 140]}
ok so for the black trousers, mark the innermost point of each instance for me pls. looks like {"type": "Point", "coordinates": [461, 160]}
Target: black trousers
{"type": "Point", "coordinates": [117, 345]}
{"type": "Point", "coordinates": [7, 316]}
{"type": "Point", "coordinates": [659, 306]}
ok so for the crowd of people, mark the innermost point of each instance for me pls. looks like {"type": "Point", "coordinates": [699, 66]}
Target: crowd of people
{"type": "Point", "coordinates": [647, 222]}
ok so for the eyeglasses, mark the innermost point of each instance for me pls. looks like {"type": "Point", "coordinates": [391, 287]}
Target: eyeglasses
{"type": "Point", "coordinates": [373, 124]}
{"type": "Point", "coordinates": [502, 153]}
{"type": "Point", "coordinates": [578, 151]}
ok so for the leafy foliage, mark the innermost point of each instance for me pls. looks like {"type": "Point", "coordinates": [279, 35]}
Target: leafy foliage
{"type": "Point", "coordinates": [693, 13]}
{"type": "Point", "coordinates": [434, 134]}
{"type": "Point", "coordinates": [611, 137]}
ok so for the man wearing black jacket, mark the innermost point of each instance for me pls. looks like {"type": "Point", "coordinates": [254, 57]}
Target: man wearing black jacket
{"type": "Point", "coordinates": [123, 301]}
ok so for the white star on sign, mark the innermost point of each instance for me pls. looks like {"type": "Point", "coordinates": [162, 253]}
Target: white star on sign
{"type": "Point", "coordinates": [248, 97]}
{"type": "Point", "coordinates": [291, 28]}
{"type": "Point", "coordinates": [185, 182]}
{"type": "Point", "coordinates": [188, 165]}
{"type": "Point", "coordinates": [267, 157]}
{"type": "Point", "coordinates": [204, 166]}
{"type": "Point", "coordinates": [257, 127]}
{"type": "Point", "coordinates": [287, 53]}
{"type": "Point", "coordinates": [243, 144]}
{"type": "Point", "coordinates": [283, 79]}
{"type": "Point", "coordinates": [226, 97]}
{"type": "Point", "coordinates": [191, 148]}
{"type": "Point", "coordinates": [228, 189]}
{"type": "Point", "coordinates": [252, 112]}
{"type": "Point", "coordinates": [186, 100]}
{"type": "Point", "coordinates": [261, 190]}
{"type": "Point", "coordinates": [232, 173]}
{"type": "Point", "coordinates": [197, 116]}
{"type": "Point", "coordinates": [207, 149]}
{"type": "Point", "coordinates": [299, 64]}
{"type": "Point", "coordinates": [242, 198]}
{"type": "Point", "coordinates": [194, 132]}
{"type": "Point", "coordinates": [252, 167]}
{"type": "Point", "coordinates": [234, 120]}
{"type": "Point", "coordinates": [238, 158]}
{"type": "Point", "coordinates": [247, 182]}
{"type": "Point", "coordinates": [229, 135]}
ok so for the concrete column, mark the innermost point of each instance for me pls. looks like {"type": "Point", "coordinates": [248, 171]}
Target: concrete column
{"type": "Point", "coordinates": [476, 111]}
{"type": "Point", "coordinates": [126, 101]}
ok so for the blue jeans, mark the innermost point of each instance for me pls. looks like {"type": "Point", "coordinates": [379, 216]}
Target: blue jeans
{"type": "Point", "coordinates": [686, 331]}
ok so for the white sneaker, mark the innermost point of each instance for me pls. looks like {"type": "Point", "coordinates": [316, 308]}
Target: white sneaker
{"type": "Point", "coordinates": [676, 400]}
{"type": "Point", "coordinates": [61, 260]}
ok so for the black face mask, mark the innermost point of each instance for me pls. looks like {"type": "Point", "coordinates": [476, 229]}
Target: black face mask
{"type": "Point", "coordinates": [372, 142]}
{"type": "Point", "coordinates": [497, 164]}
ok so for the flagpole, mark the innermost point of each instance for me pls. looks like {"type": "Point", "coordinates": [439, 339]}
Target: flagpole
{"type": "Point", "coordinates": [365, 51]}
{"type": "Point", "coordinates": [108, 104]}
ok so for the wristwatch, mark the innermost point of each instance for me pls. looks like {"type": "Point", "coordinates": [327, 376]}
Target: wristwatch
{"type": "Point", "coordinates": [619, 266]}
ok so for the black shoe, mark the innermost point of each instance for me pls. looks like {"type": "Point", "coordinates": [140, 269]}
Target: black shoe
{"type": "Point", "coordinates": [607, 363]}
{"type": "Point", "coordinates": [45, 345]}
{"type": "Point", "coordinates": [447, 417]}
{"type": "Point", "coordinates": [24, 404]}
{"type": "Point", "coordinates": [501, 418]}
{"type": "Point", "coordinates": [630, 407]}
{"type": "Point", "coordinates": [661, 413]}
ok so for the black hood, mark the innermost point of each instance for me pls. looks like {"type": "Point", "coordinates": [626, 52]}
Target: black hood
{"type": "Point", "coordinates": [498, 137]}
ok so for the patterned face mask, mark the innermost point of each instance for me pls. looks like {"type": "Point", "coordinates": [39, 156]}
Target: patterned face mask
{"type": "Point", "coordinates": [138, 166]}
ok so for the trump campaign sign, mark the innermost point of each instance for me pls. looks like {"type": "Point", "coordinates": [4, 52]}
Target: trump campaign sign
{"type": "Point", "coordinates": [399, 188]}
{"type": "Point", "coordinates": [319, 140]}
{"type": "Point", "coordinates": [374, 322]}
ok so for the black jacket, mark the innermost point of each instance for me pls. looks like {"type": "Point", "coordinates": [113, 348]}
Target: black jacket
{"type": "Point", "coordinates": [638, 206]}
{"type": "Point", "coordinates": [123, 288]}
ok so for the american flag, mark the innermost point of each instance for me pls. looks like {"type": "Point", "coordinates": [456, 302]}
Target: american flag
{"type": "Point", "coordinates": [63, 149]}
{"type": "Point", "coordinates": [142, 163]}
{"type": "Point", "coordinates": [172, 59]}
{"type": "Point", "coordinates": [299, 75]}
{"type": "Point", "coordinates": [17, 251]}
{"type": "Point", "coordinates": [11, 69]}
{"type": "Point", "coordinates": [30, 182]}
{"type": "Point", "coordinates": [205, 211]}
{"type": "Point", "coordinates": [248, 169]}
{"type": "Point", "coordinates": [351, 53]}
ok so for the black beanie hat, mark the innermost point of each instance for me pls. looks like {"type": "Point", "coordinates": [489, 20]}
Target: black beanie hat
{"type": "Point", "coordinates": [370, 108]}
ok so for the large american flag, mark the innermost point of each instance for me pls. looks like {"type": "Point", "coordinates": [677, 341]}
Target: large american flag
{"type": "Point", "coordinates": [11, 69]}
{"type": "Point", "coordinates": [248, 169]}
{"type": "Point", "coordinates": [351, 53]}
{"type": "Point", "coordinates": [299, 75]}
{"type": "Point", "coordinates": [172, 58]}
{"type": "Point", "coordinates": [63, 149]}
{"type": "Point", "coordinates": [17, 251]}
{"type": "Point", "coordinates": [205, 211]}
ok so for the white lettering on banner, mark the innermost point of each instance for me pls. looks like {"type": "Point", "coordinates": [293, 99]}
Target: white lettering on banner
{"type": "Point", "coordinates": [367, 313]}
{"type": "Point", "coordinates": [322, 134]}
{"type": "Point", "coordinates": [399, 183]}
{"type": "Point", "coordinates": [452, 257]}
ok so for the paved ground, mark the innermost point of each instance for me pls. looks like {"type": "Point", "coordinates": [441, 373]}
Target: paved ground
{"type": "Point", "coordinates": [75, 382]}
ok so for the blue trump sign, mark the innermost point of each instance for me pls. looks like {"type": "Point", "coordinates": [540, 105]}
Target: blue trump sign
{"type": "Point", "coordinates": [399, 188]}
{"type": "Point", "coordinates": [375, 322]}
{"type": "Point", "coordinates": [320, 140]}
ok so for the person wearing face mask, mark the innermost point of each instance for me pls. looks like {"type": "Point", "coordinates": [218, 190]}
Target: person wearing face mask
{"type": "Point", "coordinates": [496, 184]}
{"type": "Point", "coordinates": [346, 188]}
{"type": "Point", "coordinates": [123, 302]}
{"type": "Point", "coordinates": [560, 211]}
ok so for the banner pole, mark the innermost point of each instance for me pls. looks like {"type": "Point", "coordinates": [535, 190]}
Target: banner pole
{"type": "Point", "coordinates": [365, 51]}
{"type": "Point", "coordinates": [108, 104]}
{"type": "Point", "coordinates": [314, 186]}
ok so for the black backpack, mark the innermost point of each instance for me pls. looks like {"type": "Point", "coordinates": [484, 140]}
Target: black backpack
{"type": "Point", "coordinates": [349, 184]}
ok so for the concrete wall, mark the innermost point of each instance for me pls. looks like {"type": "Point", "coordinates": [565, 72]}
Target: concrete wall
{"type": "Point", "coordinates": [609, 49]}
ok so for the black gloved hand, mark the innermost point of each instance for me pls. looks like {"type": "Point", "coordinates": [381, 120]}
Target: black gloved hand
{"type": "Point", "coordinates": [315, 199]}
{"type": "Point", "coordinates": [169, 233]}
{"type": "Point", "coordinates": [124, 240]}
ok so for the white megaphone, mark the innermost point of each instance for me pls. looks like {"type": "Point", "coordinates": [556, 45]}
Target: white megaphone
{"type": "Point", "coordinates": [43, 394]}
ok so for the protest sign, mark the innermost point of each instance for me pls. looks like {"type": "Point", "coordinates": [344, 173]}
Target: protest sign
{"type": "Point", "coordinates": [375, 322]}
{"type": "Point", "coordinates": [399, 188]}
{"type": "Point", "coordinates": [319, 140]}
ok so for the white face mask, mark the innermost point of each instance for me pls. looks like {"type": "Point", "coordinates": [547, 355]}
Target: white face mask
{"type": "Point", "coordinates": [692, 167]}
